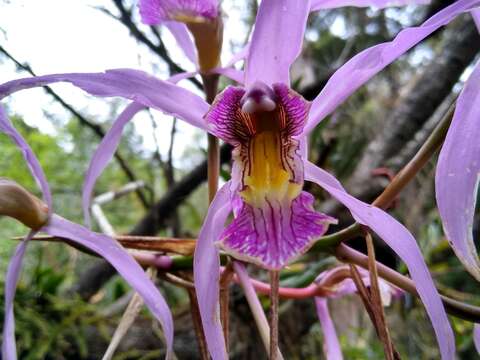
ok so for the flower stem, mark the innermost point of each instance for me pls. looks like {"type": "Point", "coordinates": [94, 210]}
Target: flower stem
{"type": "Point", "coordinates": [274, 285]}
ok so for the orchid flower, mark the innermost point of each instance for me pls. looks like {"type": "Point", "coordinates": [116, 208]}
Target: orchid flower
{"type": "Point", "coordinates": [331, 345]}
{"type": "Point", "coordinates": [267, 123]}
{"type": "Point", "coordinates": [18, 203]}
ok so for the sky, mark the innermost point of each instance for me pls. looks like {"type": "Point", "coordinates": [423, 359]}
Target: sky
{"type": "Point", "coordinates": [56, 36]}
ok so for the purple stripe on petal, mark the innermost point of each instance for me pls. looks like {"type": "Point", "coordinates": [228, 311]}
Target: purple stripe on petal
{"type": "Point", "coordinates": [32, 161]}
{"type": "Point", "coordinates": [276, 40]}
{"type": "Point", "coordinates": [104, 154]}
{"type": "Point", "coordinates": [331, 345]}
{"type": "Point", "coordinates": [276, 234]}
{"type": "Point", "coordinates": [126, 266]}
{"type": "Point", "coordinates": [182, 36]}
{"type": "Point", "coordinates": [458, 174]}
{"type": "Point", "coordinates": [476, 337]}
{"type": "Point", "coordinates": [379, 4]}
{"type": "Point", "coordinates": [206, 271]}
{"type": "Point", "coordinates": [9, 351]}
{"type": "Point", "coordinates": [369, 62]}
{"type": "Point", "coordinates": [131, 84]}
{"type": "Point", "coordinates": [397, 237]}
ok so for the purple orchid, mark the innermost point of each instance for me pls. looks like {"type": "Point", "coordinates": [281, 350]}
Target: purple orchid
{"type": "Point", "coordinates": [346, 286]}
{"type": "Point", "coordinates": [268, 123]}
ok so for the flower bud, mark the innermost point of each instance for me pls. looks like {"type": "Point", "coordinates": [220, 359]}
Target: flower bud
{"type": "Point", "coordinates": [18, 203]}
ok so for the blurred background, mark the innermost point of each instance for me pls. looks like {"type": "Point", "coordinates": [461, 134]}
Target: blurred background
{"type": "Point", "coordinates": [69, 303]}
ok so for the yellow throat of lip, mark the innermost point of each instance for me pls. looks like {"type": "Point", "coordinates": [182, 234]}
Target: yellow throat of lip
{"type": "Point", "coordinates": [267, 178]}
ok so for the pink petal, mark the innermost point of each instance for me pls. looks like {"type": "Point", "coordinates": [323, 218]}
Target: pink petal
{"type": "Point", "coordinates": [126, 266]}
{"type": "Point", "coordinates": [276, 40]}
{"type": "Point", "coordinates": [104, 154]}
{"type": "Point", "coordinates": [369, 62]}
{"type": "Point", "coordinates": [275, 235]}
{"type": "Point", "coordinates": [9, 350]}
{"type": "Point", "coordinates": [206, 271]}
{"type": "Point", "coordinates": [130, 84]}
{"type": "Point", "coordinates": [331, 345]}
{"type": "Point", "coordinates": [35, 169]}
{"type": "Point", "coordinates": [182, 36]}
{"type": "Point", "coordinates": [457, 176]}
{"type": "Point", "coordinates": [476, 17]}
{"type": "Point", "coordinates": [398, 238]}
{"type": "Point", "coordinates": [379, 4]}
{"type": "Point", "coordinates": [156, 11]}
{"type": "Point", "coordinates": [476, 337]}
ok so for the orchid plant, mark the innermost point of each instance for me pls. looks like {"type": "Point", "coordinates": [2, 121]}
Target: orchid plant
{"type": "Point", "coordinates": [267, 123]}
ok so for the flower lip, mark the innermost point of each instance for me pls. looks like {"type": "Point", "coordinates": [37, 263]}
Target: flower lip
{"type": "Point", "coordinates": [259, 98]}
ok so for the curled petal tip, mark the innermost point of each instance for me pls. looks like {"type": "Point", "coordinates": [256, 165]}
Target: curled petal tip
{"type": "Point", "coordinates": [18, 203]}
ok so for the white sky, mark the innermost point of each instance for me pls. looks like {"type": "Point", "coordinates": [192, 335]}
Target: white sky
{"type": "Point", "coordinates": [71, 36]}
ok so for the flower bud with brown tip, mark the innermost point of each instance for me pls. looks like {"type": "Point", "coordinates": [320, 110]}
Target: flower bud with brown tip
{"type": "Point", "coordinates": [18, 203]}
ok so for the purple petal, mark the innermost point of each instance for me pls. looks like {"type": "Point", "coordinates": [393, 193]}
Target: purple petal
{"type": "Point", "coordinates": [32, 161]}
{"type": "Point", "coordinates": [379, 4]}
{"type": "Point", "coordinates": [126, 266]}
{"type": "Point", "coordinates": [241, 55]}
{"type": "Point", "coordinates": [156, 11]}
{"type": "Point", "coordinates": [182, 36]}
{"type": "Point", "coordinates": [476, 337]}
{"type": "Point", "coordinates": [331, 345]}
{"type": "Point", "coordinates": [276, 40]}
{"type": "Point", "coordinates": [457, 176]}
{"type": "Point", "coordinates": [277, 234]}
{"type": "Point", "coordinates": [104, 154]}
{"type": "Point", "coordinates": [206, 271]}
{"type": "Point", "coordinates": [9, 350]}
{"type": "Point", "coordinates": [230, 72]}
{"type": "Point", "coordinates": [403, 243]}
{"type": "Point", "coordinates": [131, 84]}
{"type": "Point", "coordinates": [369, 62]}
{"type": "Point", "coordinates": [476, 17]}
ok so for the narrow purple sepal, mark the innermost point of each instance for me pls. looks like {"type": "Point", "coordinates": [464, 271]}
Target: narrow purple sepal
{"type": "Point", "coordinates": [476, 337]}
{"type": "Point", "coordinates": [130, 84]}
{"type": "Point", "coordinates": [206, 271]}
{"type": "Point", "coordinates": [369, 62]}
{"type": "Point", "coordinates": [156, 11]}
{"type": "Point", "coordinates": [104, 154]}
{"type": "Point", "coordinates": [476, 17]}
{"type": "Point", "coordinates": [458, 174]}
{"type": "Point", "coordinates": [276, 234]}
{"type": "Point", "coordinates": [397, 237]}
{"type": "Point", "coordinates": [182, 36]}
{"type": "Point", "coordinates": [331, 345]}
{"type": "Point", "coordinates": [35, 169]}
{"type": "Point", "coordinates": [276, 40]}
{"type": "Point", "coordinates": [126, 266]}
{"type": "Point", "coordinates": [379, 4]}
{"type": "Point", "coordinates": [9, 350]}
